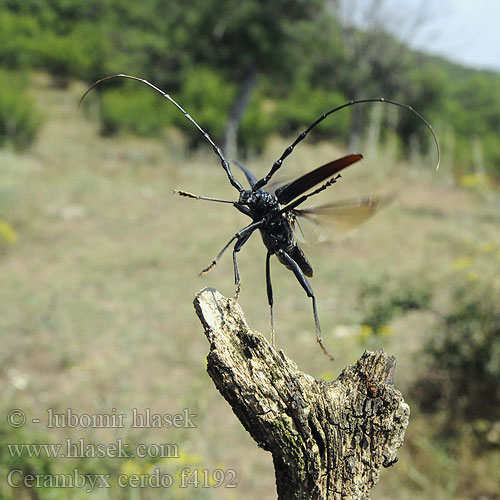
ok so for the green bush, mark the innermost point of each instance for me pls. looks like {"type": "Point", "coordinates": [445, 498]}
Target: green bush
{"type": "Point", "coordinates": [19, 37]}
{"type": "Point", "coordinates": [463, 356]}
{"type": "Point", "coordinates": [460, 363]}
{"type": "Point", "coordinates": [135, 109]}
{"type": "Point", "coordinates": [30, 41]}
{"type": "Point", "coordinates": [491, 150]}
{"type": "Point", "coordinates": [138, 109]}
{"type": "Point", "coordinates": [383, 300]}
{"type": "Point", "coordinates": [207, 96]}
{"type": "Point", "coordinates": [80, 53]}
{"type": "Point", "coordinates": [19, 118]}
{"type": "Point", "coordinates": [305, 105]}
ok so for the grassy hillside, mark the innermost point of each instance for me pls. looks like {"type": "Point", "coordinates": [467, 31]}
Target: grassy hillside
{"type": "Point", "coordinates": [100, 262]}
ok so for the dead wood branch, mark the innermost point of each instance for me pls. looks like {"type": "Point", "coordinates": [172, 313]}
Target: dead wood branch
{"type": "Point", "coordinates": [329, 440]}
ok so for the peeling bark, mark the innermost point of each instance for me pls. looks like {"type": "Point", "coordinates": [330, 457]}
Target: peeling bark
{"type": "Point", "coordinates": [328, 440]}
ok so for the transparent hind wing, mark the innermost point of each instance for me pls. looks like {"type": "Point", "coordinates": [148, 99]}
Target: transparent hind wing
{"type": "Point", "coordinates": [331, 220]}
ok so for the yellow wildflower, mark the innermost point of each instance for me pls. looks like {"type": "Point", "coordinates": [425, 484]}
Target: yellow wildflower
{"type": "Point", "coordinates": [7, 232]}
{"type": "Point", "coordinates": [366, 331]}
{"type": "Point", "coordinates": [472, 276]}
{"type": "Point", "coordinates": [474, 180]}
{"type": "Point", "coordinates": [486, 247]}
{"type": "Point", "coordinates": [461, 263]}
{"type": "Point", "coordinates": [385, 330]}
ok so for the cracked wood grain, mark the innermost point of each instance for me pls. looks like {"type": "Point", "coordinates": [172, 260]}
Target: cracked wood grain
{"type": "Point", "coordinates": [329, 440]}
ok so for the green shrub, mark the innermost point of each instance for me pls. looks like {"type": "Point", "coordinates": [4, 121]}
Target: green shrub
{"type": "Point", "coordinates": [460, 363]}
{"type": "Point", "coordinates": [19, 118]}
{"type": "Point", "coordinates": [208, 97]}
{"type": "Point", "coordinates": [464, 358]}
{"type": "Point", "coordinates": [461, 379]}
{"type": "Point", "coordinates": [385, 299]}
{"type": "Point", "coordinates": [79, 53]}
{"type": "Point", "coordinates": [134, 108]}
{"type": "Point", "coordinates": [305, 105]}
{"type": "Point", "coordinates": [62, 38]}
{"type": "Point", "coordinates": [491, 151]}
{"type": "Point", "coordinates": [138, 109]}
{"type": "Point", "coordinates": [18, 40]}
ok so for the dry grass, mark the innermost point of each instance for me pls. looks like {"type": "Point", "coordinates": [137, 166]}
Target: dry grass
{"type": "Point", "coordinates": [97, 291]}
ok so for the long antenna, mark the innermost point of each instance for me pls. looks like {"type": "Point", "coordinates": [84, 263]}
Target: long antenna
{"type": "Point", "coordinates": [277, 164]}
{"type": "Point", "coordinates": [217, 150]}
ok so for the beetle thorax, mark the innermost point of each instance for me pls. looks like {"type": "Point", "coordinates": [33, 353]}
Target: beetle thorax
{"type": "Point", "coordinates": [260, 202]}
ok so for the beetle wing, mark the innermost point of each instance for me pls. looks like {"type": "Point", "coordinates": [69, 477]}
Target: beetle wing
{"type": "Point", "coordinates": [338, 217]}
{"type": "Point", "coordinates": [290, 191]}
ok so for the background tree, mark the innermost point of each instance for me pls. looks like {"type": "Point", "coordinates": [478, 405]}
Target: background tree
{"type": "Point", "coordinates": [254, 38]}
{"type": "Point", "coordinates": [379, 62]}
{"type": "Point", "coordinates": [252, 68]}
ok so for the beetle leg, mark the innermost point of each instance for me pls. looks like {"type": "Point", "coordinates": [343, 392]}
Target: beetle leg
{"type": "Point", "coordinates": [237, 247]}
{"type": "Point", "coordinates": [309, 291]}
{"type": "Point", "coordinates": [248, 229]}
{"type": "Point", "coordinates": [270, 295]}
{"type": "Point", "coordinates": [219, 255]}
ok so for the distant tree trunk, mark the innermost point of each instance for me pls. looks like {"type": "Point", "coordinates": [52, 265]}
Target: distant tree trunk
{"type": "Point", "coordinates": [356, 129]}
{"type": "Point", "coordinates": [373, 138]}
{"type": "Point", "coordinates": [230, 137]}
{"type": "Point", "coordinates": [329, 440]}
{"type": "Point", "coordinates": [478, 157]}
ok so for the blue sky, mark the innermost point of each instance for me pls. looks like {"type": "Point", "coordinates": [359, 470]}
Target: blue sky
{"type": "Point", "coordinates": [466, 31]}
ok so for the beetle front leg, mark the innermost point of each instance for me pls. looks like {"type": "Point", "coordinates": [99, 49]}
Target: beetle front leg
{"type": "Point", "coordinates": [246, 230]}
{"type": "Point", "coordinates": [237, 247]}
{"type": "Point", "coordinates": [309, 291]}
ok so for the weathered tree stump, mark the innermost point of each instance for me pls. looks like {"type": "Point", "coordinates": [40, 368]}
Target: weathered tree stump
{"type": "Point", "coordinates": [329, 440]}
